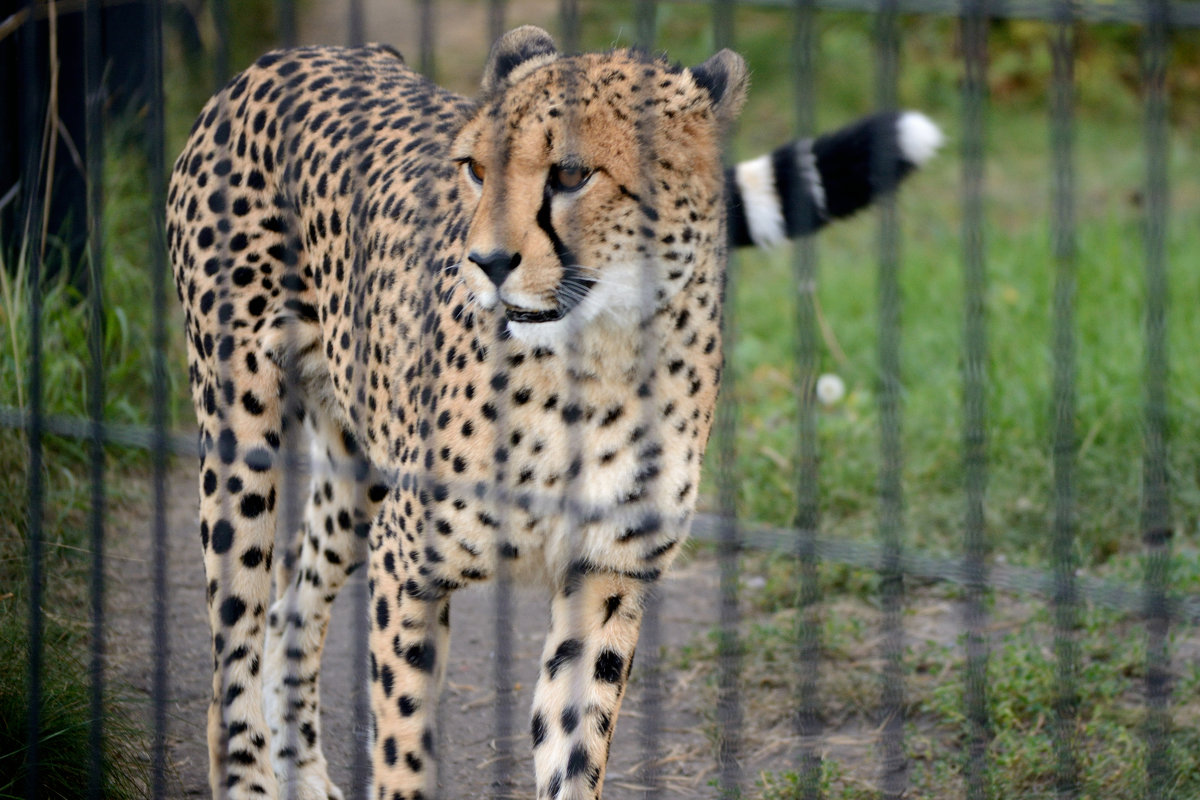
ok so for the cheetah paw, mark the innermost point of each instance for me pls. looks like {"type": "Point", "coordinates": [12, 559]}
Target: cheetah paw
{"type": "Point", "coordinates": [310, 787]}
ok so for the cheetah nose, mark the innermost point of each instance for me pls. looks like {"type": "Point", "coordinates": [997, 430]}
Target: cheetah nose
{"type": "Point", "coordinates": [496, 264]}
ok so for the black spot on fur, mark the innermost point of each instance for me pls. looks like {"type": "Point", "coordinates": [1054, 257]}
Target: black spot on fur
{"type": "Point", "coordinates": [389, 751]}
{"type": "Point", "coordinates": [577, 762]}
{"type": "Point", "coordinates": [232, 610]}
{"type": "Point", "coordinates": [611, 604]}
{"type": "Point", "coordinates": [609, 667]}
{"type": "Point", "coordinates": [222, 537]}
{"type": "Point", "coordinates": [538, 728]}
{"type": "Point", "coordinates": [567, 652]}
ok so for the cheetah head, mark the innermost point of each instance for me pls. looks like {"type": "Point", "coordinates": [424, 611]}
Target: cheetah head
{"type": "Point", "coordinates": [595, 180]}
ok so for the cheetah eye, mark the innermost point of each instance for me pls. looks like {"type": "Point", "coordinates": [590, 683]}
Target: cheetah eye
{"type": "Point", "coordinates": [474, 169]}
{"type": "Point", "coordinates": [568, 177]}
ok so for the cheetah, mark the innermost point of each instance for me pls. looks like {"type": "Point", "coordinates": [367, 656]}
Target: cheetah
{"type": "Point", "coordinates": [498, 322]}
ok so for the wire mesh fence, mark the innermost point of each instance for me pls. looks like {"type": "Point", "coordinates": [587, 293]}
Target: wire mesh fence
{"type": "Point", "coordinates": [272, 470]}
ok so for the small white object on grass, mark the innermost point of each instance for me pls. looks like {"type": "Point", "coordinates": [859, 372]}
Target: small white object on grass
{"type": "Point", "coordinates": [830, 389]}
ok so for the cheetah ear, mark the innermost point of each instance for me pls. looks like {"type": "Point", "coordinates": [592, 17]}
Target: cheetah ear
{"type": "Point", "coordinates": [527, 45]}
{"type": "Point", "coordinates": [726, 79]}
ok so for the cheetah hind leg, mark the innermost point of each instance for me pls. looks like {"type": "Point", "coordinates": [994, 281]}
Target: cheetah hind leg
{"type": "Point", "coordinates": [342, 500]}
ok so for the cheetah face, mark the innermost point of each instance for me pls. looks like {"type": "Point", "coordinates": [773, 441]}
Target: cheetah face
{"type": "Point", "coordinates": [571, 193]}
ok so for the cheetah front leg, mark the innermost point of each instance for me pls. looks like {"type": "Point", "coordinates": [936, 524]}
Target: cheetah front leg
{"type": "Point", "coordinates": [410, 640]}
{"type": "Point", "coordinates": [594, 623]}
{"type": "Point", "coordinates": [344, 497]}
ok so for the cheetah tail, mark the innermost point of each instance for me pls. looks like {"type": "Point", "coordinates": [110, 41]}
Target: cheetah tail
{"type": "Point", "coordinates": [804, 184]}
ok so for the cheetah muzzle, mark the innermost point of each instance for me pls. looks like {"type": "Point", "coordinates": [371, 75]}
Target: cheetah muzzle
{"type": "Point", "coordinates": [498, 324]}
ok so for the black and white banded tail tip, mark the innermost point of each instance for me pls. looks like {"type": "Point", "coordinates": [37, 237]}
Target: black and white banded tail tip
{"type": "Point", "coordinates": [795, 190]}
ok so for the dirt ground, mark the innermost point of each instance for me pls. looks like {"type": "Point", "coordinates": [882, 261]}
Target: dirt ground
{"type": "Point", "coordinates": [688, 610]}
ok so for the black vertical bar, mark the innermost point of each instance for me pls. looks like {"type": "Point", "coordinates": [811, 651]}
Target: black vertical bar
{"type": "Point", "coordinates": [502, 621]}
{"type": "Point", "coordinates": [360, 778]}
{"type": "Point", "coordinates": [1066, 597]}
{"type": "Point", "coordinates": [893, 767]}
{"type": "Point", "coordinates": [502, 628]}
{"type": "Point", "coordinates": [568, 15]}
{"type": "Point", "coordinates": [361, 590]}
{"type": "Point", "coordinates": [31, 111]}
{"type": "Point", "coordinates": [496, 19]}
{"type": "Point", "coordinates": [427, 39]}
{"type": "Point", "coordinates": [220, 14]}
{"type": "Point", "coordinates": [729, 703]}
{"type": "Point", "coordinates": [356, 26]}
{"type": "Point", "coordinates": [644, 12]}
{"type": "Point", "coordinates": [974, 36]}
{"type": "Point", "coordinates": [650, 729]}
{"type": "Point", "coordinates": [723, 23]}
{"type": "Point", "coordinates": [651, 669]}
{"type": "Point", "coordinates": [1156, 511]}
{"type": "Point", "coordinates": [156, 173]}
{"type": "Point", "coordinates": [806, 700]}
{"type": "Point", "coordinates": [94, 141]}
{"type": "Point", "coordinates": [286, 11]}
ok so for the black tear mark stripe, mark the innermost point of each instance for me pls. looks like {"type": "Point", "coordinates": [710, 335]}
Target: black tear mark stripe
{"type": "Point", "coordinates": [572, 275]}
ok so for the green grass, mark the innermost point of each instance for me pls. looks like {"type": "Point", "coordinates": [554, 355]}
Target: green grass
{"type": "Point", "coordinates": [1110, 170]}
{"type": "Point", "coordinates": [1020, 274]}
{"type": "Point", "coordinates": [1021, 694]}
{"type": "Point", "coordinates": [64, 746]}
{"type": "Point", "coordinates": [129, 376]}
{"type": "Point", "coordinates": [127, 358]}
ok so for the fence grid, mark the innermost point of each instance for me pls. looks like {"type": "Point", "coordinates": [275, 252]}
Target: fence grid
{"type": "Point", "coordinates": [1155, 601]}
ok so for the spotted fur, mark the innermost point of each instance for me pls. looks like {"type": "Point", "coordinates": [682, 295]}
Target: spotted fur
{"type": "Point", "coordinates": [499, 323]}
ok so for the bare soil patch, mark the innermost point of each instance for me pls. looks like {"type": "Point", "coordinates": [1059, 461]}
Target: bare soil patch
{"type": "Point", "coordinates": [688, 610]}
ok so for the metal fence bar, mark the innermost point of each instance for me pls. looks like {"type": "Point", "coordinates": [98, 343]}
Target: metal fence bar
{"type": "Point", "coordinates": [356, 24]}
{"type": "Point", "coordinates": [503, 624]}
{"type": "Point", "coordinates": [220, 17]}
{"type": "Point", "coordinates": [644, 23]}
{"type": "Point", "coordinates": [157, 175]}
{"type": "Point", "coordinates": [807, 720]}
{"type": "Point", "coordinates": [32, 254]}
{"type": "Point", "coordinates": [729, 701]}
{"type": "Point", "coordinates": [568, 19]}
{"type": "Point", "coordinates": [426, 46]}
{"type": "Point", "coordinates": [503, 711]}
{"type": "Point", "coordinates": [111, 433]}
{"type": "Point", "coordinates": [893, 763]}
{"type": "Point", "coordinates": [1156, 510]}
{"type": "Point", "coordinates": [1065, 599]}
{"type": "Point", "coordinates": [649, 661]}
{"type": "Point", "coordinates": [650, 639]}
{"type": "Point", "coordinates": [975, 353]}
{"type": "Point", "coordinates": [1184, 609]}
{"type": "Point", "coordinates": [285, 11]}
{"type": "Point", "coordinates": [359, 590]}
{"type": "Point", "coordinates": [496, 17]}
{"type": "Point", "coordinates": [94, 162]}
